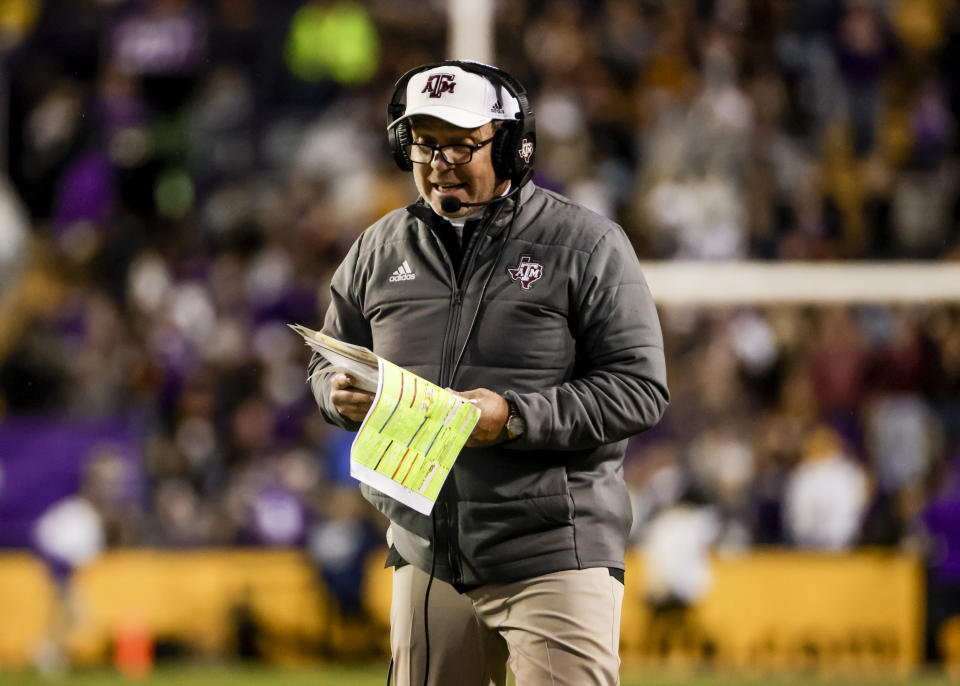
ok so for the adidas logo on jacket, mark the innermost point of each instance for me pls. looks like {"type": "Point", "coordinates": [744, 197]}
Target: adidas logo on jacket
{"type": "Point", "coordinates": [402, 273]}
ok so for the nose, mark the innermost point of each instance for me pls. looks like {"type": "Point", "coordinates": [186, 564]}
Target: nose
{"type": "Point", "coordinates": [438, 161]}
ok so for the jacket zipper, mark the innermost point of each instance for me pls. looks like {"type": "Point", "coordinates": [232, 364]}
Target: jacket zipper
{"type": "Point", "coordinates": [445, 510]}
{"type": "Point", "coordinates": [448, 353]}
{"type": "Point", "coordinates": [460, 281]}
{"type": "Point", "coordinates": [450, 332]}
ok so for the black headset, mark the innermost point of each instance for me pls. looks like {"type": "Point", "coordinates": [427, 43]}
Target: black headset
{"type": "Point", "coordinates": [514, 144]}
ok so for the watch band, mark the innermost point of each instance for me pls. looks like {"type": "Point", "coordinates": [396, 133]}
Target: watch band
{"type": "Point", "coordinates": [516, 425]}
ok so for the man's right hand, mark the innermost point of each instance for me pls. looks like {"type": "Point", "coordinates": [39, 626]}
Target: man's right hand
{"type": "Point", "coordinates": [350, 401]}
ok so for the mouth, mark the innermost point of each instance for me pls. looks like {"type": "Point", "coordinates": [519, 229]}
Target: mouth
{"type": "Point", "coordinates": [447, 188]}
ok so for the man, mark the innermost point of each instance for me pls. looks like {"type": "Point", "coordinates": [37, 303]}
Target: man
{"type": "Point", "coordinates": [535, 308]}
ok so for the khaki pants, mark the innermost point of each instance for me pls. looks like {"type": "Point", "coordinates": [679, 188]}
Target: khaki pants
{"type": "Point", "coordinates": [554, 630]}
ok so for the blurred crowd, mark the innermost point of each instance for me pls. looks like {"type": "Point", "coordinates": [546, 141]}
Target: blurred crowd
{"type": "Point", "coordinates": [183, 176]}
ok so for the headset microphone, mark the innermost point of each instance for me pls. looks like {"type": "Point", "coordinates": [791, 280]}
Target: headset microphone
{"type": "Point", "coordinates": [452, 204]}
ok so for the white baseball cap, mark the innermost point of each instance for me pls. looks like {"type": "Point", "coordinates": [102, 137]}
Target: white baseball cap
{"type": "Point", "coordinates": [460, 97]}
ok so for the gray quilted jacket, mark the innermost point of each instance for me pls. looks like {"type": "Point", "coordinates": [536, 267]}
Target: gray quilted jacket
{"type": "Point", "coordinates": [550, 309]}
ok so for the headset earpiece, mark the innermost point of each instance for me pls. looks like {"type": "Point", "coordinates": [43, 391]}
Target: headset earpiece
{"type": "Point", "coordinates": [524, 143]}
{"type": "Point", "coordinates": [501, 153]}
{"type": "Point", "coordinates": [399, 137]}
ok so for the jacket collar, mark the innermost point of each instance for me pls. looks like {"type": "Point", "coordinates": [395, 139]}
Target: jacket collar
{"type": "Point", "coordinates": [501, 213]}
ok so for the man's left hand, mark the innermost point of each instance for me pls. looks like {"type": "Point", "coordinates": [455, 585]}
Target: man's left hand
{"type": "Point", "coordinates": [491, 429]}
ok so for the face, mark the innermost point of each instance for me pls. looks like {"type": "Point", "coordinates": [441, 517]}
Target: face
{"type": "Point", "coordinates": [471, 182]}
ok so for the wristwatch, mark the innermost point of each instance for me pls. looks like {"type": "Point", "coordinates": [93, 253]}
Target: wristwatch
{"type": "Point", "coordinates": [516, 424]}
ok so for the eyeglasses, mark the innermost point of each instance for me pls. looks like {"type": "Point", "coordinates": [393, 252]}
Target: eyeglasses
{"type": "Point", "coordinates": [459, 153]}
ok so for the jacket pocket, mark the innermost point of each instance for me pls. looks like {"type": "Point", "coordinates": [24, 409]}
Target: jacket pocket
{"type": "Point", "coordinates": [501, 532]}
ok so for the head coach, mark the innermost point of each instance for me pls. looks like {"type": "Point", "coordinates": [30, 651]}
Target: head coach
{"type": "Point", "coordinates": [536, 308]}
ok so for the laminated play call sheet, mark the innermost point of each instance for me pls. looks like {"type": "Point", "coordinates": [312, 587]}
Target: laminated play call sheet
{"type": "Point", "coordinates": [412, 434]}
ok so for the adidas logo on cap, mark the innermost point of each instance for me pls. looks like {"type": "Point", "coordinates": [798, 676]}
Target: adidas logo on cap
{"type": "Point", "coordinates": [402, 273]}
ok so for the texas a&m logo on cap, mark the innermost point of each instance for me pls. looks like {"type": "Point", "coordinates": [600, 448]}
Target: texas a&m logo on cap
{"type": "Point", "coordinates": [526, 272]}
{"type": "Point", "coordinates": [438, 84]}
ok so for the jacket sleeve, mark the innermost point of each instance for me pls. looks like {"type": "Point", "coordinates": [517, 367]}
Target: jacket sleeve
{"type": "Point", "coordinates": [619, 386]}
{"type": "Point", "coordinates": [344, 320]}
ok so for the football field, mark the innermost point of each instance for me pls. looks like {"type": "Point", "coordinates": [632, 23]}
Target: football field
{"type": "Point", "coordinates": [375, 675]}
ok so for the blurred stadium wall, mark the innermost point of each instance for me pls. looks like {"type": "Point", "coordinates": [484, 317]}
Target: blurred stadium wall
{"type": "Point", "coordinates": [778, 611]}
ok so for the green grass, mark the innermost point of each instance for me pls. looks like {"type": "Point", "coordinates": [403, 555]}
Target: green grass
{"type": "Point", "coordinates": [375, 674]}
{"type": "Point", "coordinates": [215, 676]}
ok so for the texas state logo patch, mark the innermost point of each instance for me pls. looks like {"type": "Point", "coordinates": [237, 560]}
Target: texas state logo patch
{"type": "Point", "coordinates": [526, 272]}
